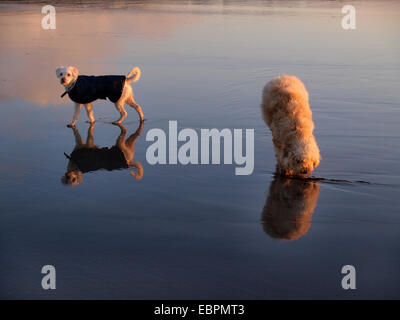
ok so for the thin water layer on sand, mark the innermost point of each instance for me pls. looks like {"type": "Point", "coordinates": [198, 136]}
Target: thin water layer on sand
{"type": "Point", "coordinates": [200, 231]}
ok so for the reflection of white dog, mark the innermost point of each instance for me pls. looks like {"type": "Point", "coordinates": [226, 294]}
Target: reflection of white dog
{"type": "Point", "coordinates": [87, 157]}
{"type": "Point", "coordinates": [287, 113]}
{"type": "Point", "coordinates": [86, 89]}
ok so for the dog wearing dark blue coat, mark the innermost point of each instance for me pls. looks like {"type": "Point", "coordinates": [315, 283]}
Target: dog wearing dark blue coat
{"type": "Point", "coordinates": [84, 90]}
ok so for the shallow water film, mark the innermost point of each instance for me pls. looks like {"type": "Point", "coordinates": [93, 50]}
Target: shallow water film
{"type": "Point", "coordinates": [89, 200]}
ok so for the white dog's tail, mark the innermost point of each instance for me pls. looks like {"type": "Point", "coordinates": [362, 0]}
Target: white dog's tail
{"type": "Point", "coordinates": [139, 174]}
{"type": "Point", "coordinates": [133, 75]}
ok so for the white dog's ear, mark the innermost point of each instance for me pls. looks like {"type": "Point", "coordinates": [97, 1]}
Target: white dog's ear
{"type": "Point", "coordinates": [75, 71]}
{"type": "Point", "coordinates": [58, 71]}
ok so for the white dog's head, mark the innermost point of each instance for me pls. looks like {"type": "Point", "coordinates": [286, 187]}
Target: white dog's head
{"type": "Point", "coordinates": [72, 178]}
{"type": "Point", "coordinates": [67, 75]}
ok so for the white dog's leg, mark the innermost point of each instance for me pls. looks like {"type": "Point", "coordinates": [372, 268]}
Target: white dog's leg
{"type": "Point", "coordinates": [76, 115]}
{"type": "Point", "coordinates": [119, 105]}
{"type": "Point", "coordinates": [90, 138]}
{"type": "Point", "coordinates": [78, 139]}
{"type": "Point", "coordinates": [120, 143]}
{"type": "Point", "coordinates": [89, 112]}
{"type": "Point", "coordinates": [130, 101]}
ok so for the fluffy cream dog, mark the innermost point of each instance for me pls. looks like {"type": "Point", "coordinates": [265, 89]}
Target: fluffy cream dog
{"type": "Point", "coordinates": [287, 113]}
{"type": "Point", "coordinates": [85, 89]}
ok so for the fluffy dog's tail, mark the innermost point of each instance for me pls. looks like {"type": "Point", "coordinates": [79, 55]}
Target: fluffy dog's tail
{"type": "Point", "coordinates": [133, 75]}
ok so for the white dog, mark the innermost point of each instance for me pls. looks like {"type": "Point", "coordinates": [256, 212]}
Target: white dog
{"type": "Point", "coordinates": [86, 89]}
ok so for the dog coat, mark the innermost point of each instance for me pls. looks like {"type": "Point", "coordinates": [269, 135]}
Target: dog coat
{"type": "Point", "coordinates": [90, 88]}
{"type": "Point", "coordinates": [93, 159]}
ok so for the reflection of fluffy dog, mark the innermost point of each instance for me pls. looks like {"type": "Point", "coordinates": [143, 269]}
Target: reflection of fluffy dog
{"type": "Point", "coordinates": [289, 207]}
{"type": "Point", "coordinates": [287, 113]}
{"type": "Point", "coordinates": [88, 157]}
{"type": "Point", "coordinates": [86, 89]}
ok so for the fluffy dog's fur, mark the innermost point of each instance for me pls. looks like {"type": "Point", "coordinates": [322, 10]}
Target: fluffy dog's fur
{"type": "Point", "coordinates": [287, 113]}
{"type": "Point", "coordinates": [69, 75]}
